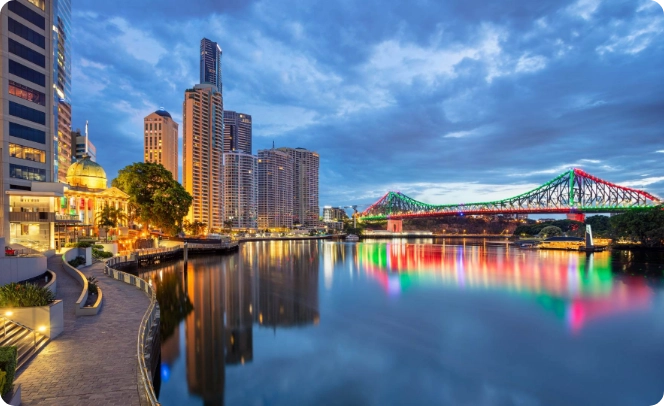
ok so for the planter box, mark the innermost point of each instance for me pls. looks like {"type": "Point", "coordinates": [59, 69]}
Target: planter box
{"type": "Point", "coordinates": [14, 397]}
{"type": "Point", "coordinates": [50, 317]}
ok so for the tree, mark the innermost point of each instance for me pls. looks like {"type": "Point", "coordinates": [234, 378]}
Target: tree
{"type": "Point", "coordinates": [194, 228]}
{"type": "Point", "coordinates": [645, 225]}
{"type": "Point", "coordinates": [551, 231]}
{"type": "Point", "coordinates": [156, 198]}
{"type": "Point", "coordinates": [109, 217]}
{"type": "Point", "coordinates": [601, 225]}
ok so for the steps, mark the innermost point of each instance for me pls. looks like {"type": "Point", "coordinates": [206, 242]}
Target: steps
{"type": "Point", "coordinates": [28, 342]}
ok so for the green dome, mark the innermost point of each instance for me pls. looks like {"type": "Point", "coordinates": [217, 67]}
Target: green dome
{"type": "Point", "coordinates": [87, 174]}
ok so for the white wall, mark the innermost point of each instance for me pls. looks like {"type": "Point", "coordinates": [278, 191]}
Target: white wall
{"type": "Point", "coordinates": [16, 269]}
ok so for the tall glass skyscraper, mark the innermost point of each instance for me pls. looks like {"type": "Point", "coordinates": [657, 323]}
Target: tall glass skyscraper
{"type": "Point", "coordinates": [211, 63]}
{"type": "Point", "coordinates": [62, 142]}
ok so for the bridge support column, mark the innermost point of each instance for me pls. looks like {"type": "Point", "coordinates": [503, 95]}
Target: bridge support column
{"type": "Point", "coordinates": [395, 226]}
{"type": "Point", "coordinates": [580, 217]}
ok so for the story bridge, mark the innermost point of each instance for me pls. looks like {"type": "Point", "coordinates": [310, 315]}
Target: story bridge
{"type": "Point", "coordinates": [573, 192]}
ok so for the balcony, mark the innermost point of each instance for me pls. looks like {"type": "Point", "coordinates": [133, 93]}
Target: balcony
{"type": "Point", "coordinates": [67, 217]}
{"type": "Point", "coordinates": [31, 217]}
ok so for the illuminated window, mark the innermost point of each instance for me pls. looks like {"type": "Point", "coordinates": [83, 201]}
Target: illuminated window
{"type": "Point", "coordinates": [27, 153]}
{"type": "Point", "coordinates": [27, 93]}
{"type": "Point", "coordinates": [38, 3]}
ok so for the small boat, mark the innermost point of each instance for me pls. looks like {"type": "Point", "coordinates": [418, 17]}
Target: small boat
{"type": "Point", "coordinates": [352, 238]}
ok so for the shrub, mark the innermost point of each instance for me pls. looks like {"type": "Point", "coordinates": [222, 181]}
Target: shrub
{"type": "Point", "coordinates": [77, 261]}
{"type": "Point", "coordinates": [100, 254]}
{"type": "Point", "coordinates": [3, 380]}
{"type": "Point", "coordinates": [80, 244]}
{"type": "Point", "coordinates": [93, 288]}
{"type": "Point", "coordinates": [28, 295]}
{"type": "Point", "coordinates": [8, 358]}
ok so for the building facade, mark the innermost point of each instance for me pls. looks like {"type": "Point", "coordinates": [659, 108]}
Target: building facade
{"type": "Point", "coordinates": [240, 190]}
{"type": "Point", "coordinates": [61, 87]}
{"type": "Point", "coordinates": [275, 189]}
{"type": "Point", "coordinates": [334, 214]}
{"type": "Point", "coordinates": [210, 63]}
{"type": "Point", "coordinates": [160, 144]}
{"type": "Point", "coordinates": [237, 132]}
{"type": "Point", "coordinates": [305, 186]}
{"type": "Point", "coordinates": [35, 62]}
{"type": "Point", "coordinates": [202, 153]}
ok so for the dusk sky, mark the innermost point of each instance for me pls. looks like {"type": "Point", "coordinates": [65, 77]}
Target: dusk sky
{"type": "Point", "coordinates": [447, 101]}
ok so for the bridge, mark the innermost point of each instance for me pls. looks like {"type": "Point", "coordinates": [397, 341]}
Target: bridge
{"type": "Point", "coordinates": [573, 192]}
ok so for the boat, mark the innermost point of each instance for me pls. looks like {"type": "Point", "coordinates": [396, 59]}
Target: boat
{"type": "Point", "coordinates": [352, 238]}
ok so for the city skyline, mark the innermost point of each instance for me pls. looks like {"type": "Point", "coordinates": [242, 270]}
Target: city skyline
{"type": "Point", "coordinates": [484, 104]}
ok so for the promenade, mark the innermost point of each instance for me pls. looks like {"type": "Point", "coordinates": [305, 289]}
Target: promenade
{"type": "Point", "coordinates": [93, 361]}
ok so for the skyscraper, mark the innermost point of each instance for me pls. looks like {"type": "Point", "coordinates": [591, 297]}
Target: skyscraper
{"type": "Point", "coordinates": [61, 87]}
{"type": "Point", "coordinates": [160, 144]}
{"type": "Point", "coordinates": [305, 186]}
{"type": "Point", "coordinates": [211, 63]}
{"type": "Point", "coordinates": [240, 190]}
{"type": "Point", "coordinates": [202, 149]}
{"type": "Point", "coordinates": [275, 189]}
{"type": "Point", "coordinates": [237, 132]}
{"type": "Point", "coordinates": [34, 48]}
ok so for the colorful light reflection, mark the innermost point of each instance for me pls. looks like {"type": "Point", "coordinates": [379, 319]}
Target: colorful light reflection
{"type": "Point", "coordinates": [575, 287]}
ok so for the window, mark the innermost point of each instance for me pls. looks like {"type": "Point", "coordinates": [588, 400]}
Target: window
{"type": "Point", "coordinates": [26, 73]}
{"type": "Point", "coordinates": [38, 3]}
{"type": "Point", "coordinates": [26, 113]}
{"type": "Point", "coordinates": [26, 93]}
{"type": "Point", "coordinates": [28, 14]}
{"type": "Point", "coordinates": [26, 33]}
{"type": "Point", "coordinates": [27, 173]}
{"type": "Point", "coordinates": [26, 53]}
{"type": "Point", "coordinates": [30, 154]}
{"type": "Point", "coordinates": [27, 133]}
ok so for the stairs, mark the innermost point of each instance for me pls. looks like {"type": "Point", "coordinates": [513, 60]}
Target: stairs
{"type": "Point", "coordinates": [28, 342]}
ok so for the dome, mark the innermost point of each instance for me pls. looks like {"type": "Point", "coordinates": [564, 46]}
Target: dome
{"type": "Point", "coordinates": [87, 174]}
{"type": "Point", "coordinates": [163, 113]}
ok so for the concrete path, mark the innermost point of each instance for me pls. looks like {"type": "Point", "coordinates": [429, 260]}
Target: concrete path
{"type": "Point", "coordinates": [93, 361]}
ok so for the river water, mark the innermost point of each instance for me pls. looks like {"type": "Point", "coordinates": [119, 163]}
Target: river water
{"type": "Point", "coordinates": [418, 322]}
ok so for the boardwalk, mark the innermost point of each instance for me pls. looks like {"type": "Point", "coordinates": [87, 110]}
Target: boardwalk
{"type": "Point", "coordinates": [93, 362]}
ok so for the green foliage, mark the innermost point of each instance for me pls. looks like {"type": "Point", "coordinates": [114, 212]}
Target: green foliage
{"type": "Point", "coordinates": [154, 196]}
{"type": "Point", "coordinates": [568, 227]}
{"type": "Point", "coordinates": [3, 380]}
{"type": "Point", "coordinates": [194, 228]}
{"type": "Point", "coordinates": [100, 253]}
{"type": "Point", "coordinates": [77, 261]}
{"type": "Point", "coordinates": [646, 226]}
{"type": "Point", "coordinates": [601, 225]}
{"type": "Point", "coordinates": [550, 231]}
{"type": "Point", "coordinates": [24, 295]}
{"type": "Point", "coordinates": [110, 217]}
{"type": "Point", "coordinates": [80, 244]}
{"type": "Point", "coordinates": [8, 359]}
{"type": "Point", "coordinates": [93, 287]}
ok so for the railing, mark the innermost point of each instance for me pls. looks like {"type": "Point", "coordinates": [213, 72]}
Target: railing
{"type": "Point", "coordinates": [35, 216]}
{"type": "Point", "coordinates": [34, 333]}
{"type": "Point", "coordinates": [145, 336]}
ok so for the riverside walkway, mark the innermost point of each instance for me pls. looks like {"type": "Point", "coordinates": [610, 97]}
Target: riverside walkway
{"type": "Point", "coordinates": [93, 361]}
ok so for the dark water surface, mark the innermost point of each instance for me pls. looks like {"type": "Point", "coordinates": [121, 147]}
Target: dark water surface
{"type": "Point", "coordinates": [411, 323]}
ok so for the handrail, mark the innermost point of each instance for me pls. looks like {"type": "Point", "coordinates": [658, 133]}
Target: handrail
{"type": "Point", "coordinates": [34, 333]}
{"type": "Point", "coordinates": [145, 327]}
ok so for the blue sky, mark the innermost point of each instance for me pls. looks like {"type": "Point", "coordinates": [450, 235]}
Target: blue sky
{"type": "Point", "coordinates": [447, 101]}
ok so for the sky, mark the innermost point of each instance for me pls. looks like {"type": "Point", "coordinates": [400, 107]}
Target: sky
{"type": "Point", "coordinates": [446, 101]}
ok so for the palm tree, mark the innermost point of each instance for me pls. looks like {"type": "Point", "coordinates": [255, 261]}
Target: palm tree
{"type": "Point", "coordinates": [110, 217]}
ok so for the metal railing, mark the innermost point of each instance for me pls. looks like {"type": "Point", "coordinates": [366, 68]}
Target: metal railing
{"type": "Point", "coordinates": [145, 336]}
{"type": "Point", "coordinates": [34, 333]}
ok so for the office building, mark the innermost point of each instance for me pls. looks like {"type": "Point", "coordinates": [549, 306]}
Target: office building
{"type": "Point", "coordinates": [334, 214]}
{"type": "Point", "coordinates": [210, 64]}
{"type": "Point", "coordinates": [275, 189]}
{"type": "Point", "coordinates": [202, 150]}
{"type": "Point", "coordinates": [160, 144]}
{"type": "Point", "coordinates": [305, 186]}
{"type": "Point", "coordinates": [36, 79]}
{"type": "Point", "coordinates": [240, 190]}
{"type": "Point", "coordinates": [237, 132]}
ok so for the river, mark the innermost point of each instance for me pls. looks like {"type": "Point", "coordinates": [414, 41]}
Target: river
{"type": "Point", "coordinates": [421, 322]}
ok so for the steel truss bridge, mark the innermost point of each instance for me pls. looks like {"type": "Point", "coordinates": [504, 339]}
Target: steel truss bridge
{"type": "Point", "coordinates": [574, 191]}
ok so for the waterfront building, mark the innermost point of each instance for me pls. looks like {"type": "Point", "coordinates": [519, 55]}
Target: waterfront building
{"type": "Point", "coordinates": [240, 190]}
{"type": "Point", "coordinates": [34, 96]}
{"type": "Point", "coordinates": [202, 150]}
{"type": "Point", "coordinates": [210, 64]}
{"type": "Point", "coordinates": [160, 144]}
{"type": "Point", "coordinates": [85, 195]}
{"type": "Point", "coordinates": [237, 132]}
{"type": "Point", "coordinates": [331, 214]}
{"type": "Point", "coordinates": [305, 166]}
{"type": "Point", "coordinates": [275, 189]}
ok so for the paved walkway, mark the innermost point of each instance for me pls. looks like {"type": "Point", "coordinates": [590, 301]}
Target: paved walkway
{"type": "Point", "coordinates": [93, 361]}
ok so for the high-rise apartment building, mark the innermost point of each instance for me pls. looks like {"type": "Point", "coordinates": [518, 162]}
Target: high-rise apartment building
{"type": "Point", "coordinates": [237, 132]}
{"type": "Point", "coordinates": [334, 214]}
{"type": "Point", "coordinates": [275, 189]}
{"type": "Point", "coordinates": [160, 144]}
{"type": "Point", "coordinates": [240, 190]}
{"type": "Point", "coordinates": [34, 47]}
{"type": "Point", "coordinates": [61, 86]}
{"type": "Point", "coordinates": [210, 64]}
{"type": "Point", "coordinates": [202, 150]}
{"type": "Point", "coordinates": [305, 186]}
